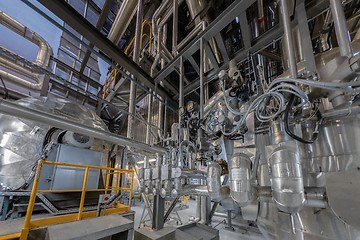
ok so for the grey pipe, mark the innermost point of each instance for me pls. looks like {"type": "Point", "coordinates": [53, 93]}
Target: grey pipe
{"type": "Point", "coordinates": [342, 32]}
{"type": "Point", "coordinates": [122, 20]}
{"type": "Point", "coordinates": [288, 39]}
{"type": "Point", "coordinates": [18, 80]}
{"type": "Point", "coordinates": [190, 144]}
{"type": "Point", "coordinates": [204, 210]}
{"type": "Point", "coordinates": [196, 190]}
{"type": "Point", "coordinates": [155, 17]}
{"type": "Point", "coordinates": [28, 72]}
{"type": "Point", "coordinates": [217, 192]}
{"type": "Point", "coordinates": [198, 209]}
{"type": "Point", "coordinates": [13, 109]}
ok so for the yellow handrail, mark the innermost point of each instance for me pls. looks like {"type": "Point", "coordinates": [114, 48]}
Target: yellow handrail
{"type": "Point", "coordinates": [29, 223]}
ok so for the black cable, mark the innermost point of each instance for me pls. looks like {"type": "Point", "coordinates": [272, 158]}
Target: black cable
{"type": "Point", "coordinates": [291, 134]}
{"type": "Point", "coordinates": [5, 89]}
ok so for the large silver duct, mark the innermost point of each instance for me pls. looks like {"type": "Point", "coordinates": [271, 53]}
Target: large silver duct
{"type": "Point", "coordinates": [75, 126]}
{"type": "Point", "coordinates": [22, 140]}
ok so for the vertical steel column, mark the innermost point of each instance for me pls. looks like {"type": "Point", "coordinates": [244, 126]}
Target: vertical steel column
{"type": "Point", "coordinates": [161, 116]}
{"type": "Point", "coordinates": [201, 78]}
{"type": "Point", "coordinates": [288, 38]}
{"type": "Point", "coordinates": [136, 56]}
{"type": "Point", "coordinates": [175, 27]}
{"type": "Point", "coordinates": [148, 128]}
{"type": "Point", "coordinates": [181, 85]}
{"type": "Point", "coordinates": [158, 212]}
{"type": "Point", "coordinates": [342, 32]}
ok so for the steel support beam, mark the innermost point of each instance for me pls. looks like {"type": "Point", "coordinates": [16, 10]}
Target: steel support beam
{"type": "Point", "coordinates": [211, 31]}
{"type": "Point", "coordinates": [69, 15]}
{"type": "Point", "coordinates": [259, 44]}
{"type": "Point", "coordinates": [158, 212]}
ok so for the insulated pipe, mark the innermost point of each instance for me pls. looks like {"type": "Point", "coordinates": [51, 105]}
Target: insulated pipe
{"type": "Point", "coordinates": [190, 144]}
{"type": "Point", "coordinates": [16, 110]}
{"type": "Point", "coordinates": [136, 58]}
{"type": "Point", "coordinates": [155, 17]}
{"type": "Point", "coordinates": [45, 51]}
{"type": "Point", "coordinates": [217, 192]}
{"type": "Point", "coordinates": [213, 101]}
{"type": "Point", "coordinates": [288, 38]}
{"type": "Point", "coordinates": [7, 63]}
{"type": "Point", "coordinates": [17, 80]}
{"type": "Point", "coordinates": [240, 182]}
{"type": "Point", "coordinates": [342, 32]}
{"type": "Point", "coordinates": [196, 190]}
{"type": "Point", "coordinates": [122, 20]}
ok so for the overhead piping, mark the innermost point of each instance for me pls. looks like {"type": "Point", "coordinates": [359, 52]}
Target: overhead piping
{"type": "Point", "coordinates": [122, 20]}
{"type": "Point", "coordinates": [42, 59]}
{"type": "Point", "coordinates": [16, 110]}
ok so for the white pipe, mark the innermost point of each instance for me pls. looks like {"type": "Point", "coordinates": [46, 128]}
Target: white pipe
{"type": "Point", "coordinates": [16, 110]}
{"type": "Point", "coordinates": [155, 17]}
{"type": "Point", "coordinates": [45, 51]}
{"type": "Point", "coordinates": [122, 20]}
{"type": "Point", "coordinates": [7, 63]}
{"type": "Point", "coordinates": [42, 59]}
{"type": "Point", "coordinates": [217, 192]}
{"type": "Point", "coordinates": [18, 80]}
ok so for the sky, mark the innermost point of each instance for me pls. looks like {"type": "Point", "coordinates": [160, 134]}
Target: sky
{"type": "Point", "coordinates": [27, 16]}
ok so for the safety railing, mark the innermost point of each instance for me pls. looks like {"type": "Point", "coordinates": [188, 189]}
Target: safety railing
{"type": "Point", "coordinates": [114, 74]}
{"type": "Point", "coordinates": [81, 214]}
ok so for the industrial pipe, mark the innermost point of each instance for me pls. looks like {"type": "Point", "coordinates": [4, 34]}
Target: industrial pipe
{"type": "Point", "coordinates": [122, 20]}
{"type": "Point", "coordinates": [18, 80]}
{"type": "Point", "coordinates": [198, 29]}
{"type": "Point", "coordinates": [217, 192]}
{"type": "Point", "coordinates": [342, 32]}
{"type": "Point", "coordinates": [42, 59]}
{"type": "Point", "coordinates": [196, 190]}
{"type": "Point", "coordinates": [16, 110]}
{"type": "Point", "coordinates": [288, 38]}
{"type": "Point", "coordinates": [45, 51]}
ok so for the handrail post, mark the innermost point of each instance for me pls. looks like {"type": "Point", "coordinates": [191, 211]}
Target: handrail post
{"type": "Point", "coordinates": [107, 181]}
{"type": "Point", "coordinates": [30, 208]}
{"type": "Point", "coordinates": [83, 193]}
{"type": "Point", "coordinates": [131, 189]}
{"type": "Point", "coordinates": [118, 182]}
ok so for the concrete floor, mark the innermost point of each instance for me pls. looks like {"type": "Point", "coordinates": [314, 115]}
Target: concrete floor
{"type": "Point", "coordinates": [217, 222]}
{"type": "Point", "coordinates": [185, 215]}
